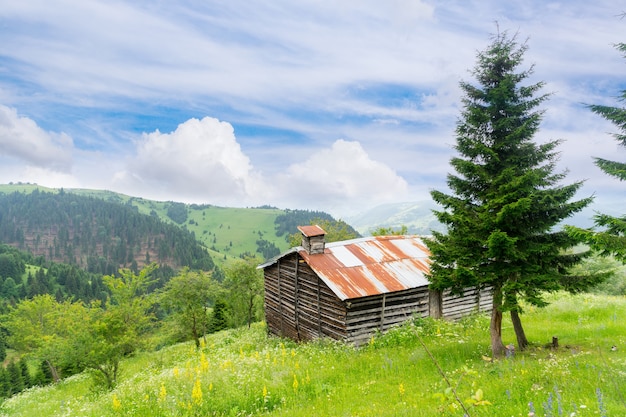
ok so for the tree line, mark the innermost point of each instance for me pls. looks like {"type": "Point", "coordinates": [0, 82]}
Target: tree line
{"type": "Point", "coordinates": [94, 234]}
{"type": "Point", "coordinates": [23, 275]}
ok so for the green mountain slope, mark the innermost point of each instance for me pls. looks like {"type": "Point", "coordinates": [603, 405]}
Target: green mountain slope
{"type": "Point", "coordinates": [225, 232]}
{"type": "Point", "coordinates": [100, 236]}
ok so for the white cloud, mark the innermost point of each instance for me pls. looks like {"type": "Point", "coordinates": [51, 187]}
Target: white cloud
{"type": "Point", "coordinates": [105, 70]}
{"type": "Point", "coordinates": [22, 139]}
{"type": "Point", "coordinates": [200, 161]}
{"type": "Point", "coordinates": [342, 179]}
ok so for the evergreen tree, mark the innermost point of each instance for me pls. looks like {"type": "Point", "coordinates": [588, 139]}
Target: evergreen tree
{"type": "Point", "coordinates": [5, 383]}
{"type": "Point", "coordinates": [15, 378]}
{"type": "Point", "coordinates": [25, 373]}
{"type": "Point", "coordinates": [612, 239]}
{"type": "Point", "coordinates": [506, 197]}
{"type": "Point", "coordinates": [218, 320]}
{"type": "Point", "coordinates": [43, 376]}
{"type": "Point", "coordinates": [3, 344]}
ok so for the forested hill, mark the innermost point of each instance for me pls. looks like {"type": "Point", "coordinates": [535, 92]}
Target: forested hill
{"type": "Point", "coordinates": [94, 234]}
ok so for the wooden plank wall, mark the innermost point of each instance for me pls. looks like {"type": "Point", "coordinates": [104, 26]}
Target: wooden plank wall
{"type": "Point", "coordinates": [454, 306]}
{"type": "Point", "coordinates": [299, 305]}
{"type": "Point", "coordinates": [367, 315]}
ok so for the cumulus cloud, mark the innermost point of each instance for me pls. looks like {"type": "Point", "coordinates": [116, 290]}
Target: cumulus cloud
{"type": "Point", "coordinates": [200, 161]}
{"type": "Point", "coordinates": [22, 139]}
{"type": "Point", "coordinates": [343, 177]}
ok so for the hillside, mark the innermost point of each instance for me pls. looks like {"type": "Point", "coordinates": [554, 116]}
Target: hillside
{"type": "Point", "coordinates": [243, 372]}
{"type": "Point", "coordinates": [99, 236]}
{"type": "Point", "coordinates": [224, 232]}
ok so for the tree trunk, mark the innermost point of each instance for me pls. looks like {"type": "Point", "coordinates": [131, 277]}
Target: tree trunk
{"type": "Point", "coordinates": [522, 342]}
{"type": "Point", "coordinates": [194, 332]}
{"type": "Point", "coordinates": [250, 311]}
{"type": "Point", "coordinates": [53, 371]}
{"type": "Point", "coordinates": [495, 326]}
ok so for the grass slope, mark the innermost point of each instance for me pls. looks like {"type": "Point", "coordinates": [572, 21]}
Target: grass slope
{"type": "Point", "coordinates": [244, 372]}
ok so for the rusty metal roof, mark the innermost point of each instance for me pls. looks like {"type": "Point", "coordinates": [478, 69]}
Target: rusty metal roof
{"type": "Point", "coordinates": [310, 231]}
{"type": "Point", "coordinates": [369, 266]}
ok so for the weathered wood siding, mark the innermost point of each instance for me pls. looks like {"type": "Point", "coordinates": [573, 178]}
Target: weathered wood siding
{"type": "Point", "coordinates": [366, 315]}
{"type": "Point", "coordinates": [456, 306]}
{"type": "Point", "coordinates": [299, 305]}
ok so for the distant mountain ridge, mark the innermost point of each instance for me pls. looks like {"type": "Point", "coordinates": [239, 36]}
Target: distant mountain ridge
{"type": "Point", "coordinates": [417, 216]}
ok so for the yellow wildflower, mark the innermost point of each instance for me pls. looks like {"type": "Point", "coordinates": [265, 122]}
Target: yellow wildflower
{"type": "Point", "coordinates": [162, 393]}
{"type": "Point", "coordinates": [295, 382]}
{"type": "Point", "coordinates": [117, 404]}
{"type": "Point", "coordinates": [196, 392]}
{"type": "Point", "coordinates": [204, 362]}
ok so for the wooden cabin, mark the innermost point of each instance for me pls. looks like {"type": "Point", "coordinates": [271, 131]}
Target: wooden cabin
{"type": "Point", "coordinates": [348, 290]}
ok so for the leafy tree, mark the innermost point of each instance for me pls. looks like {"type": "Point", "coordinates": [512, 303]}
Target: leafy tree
{"type": "Point", "coordinates": [117, 330]}
{"type": "Point", "coordinates": [390, 231]}
{"type": "Point", "coordinates": [244, 285]}
{"type": "Point", "coordinates": [506, 197]}
{"type": "Point", "coordinates": [612, 239]}
{"type": "Point", "coordinates": [189, 295]}
{"type": "Point", "coordinates": [47, 329]}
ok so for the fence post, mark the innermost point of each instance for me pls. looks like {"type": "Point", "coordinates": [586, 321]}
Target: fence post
{"type": "Point", "coordinates": [435, 304]}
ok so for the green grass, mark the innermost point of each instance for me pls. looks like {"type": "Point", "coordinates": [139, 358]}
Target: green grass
{"type": "Point", "coordinates": [244, 372]}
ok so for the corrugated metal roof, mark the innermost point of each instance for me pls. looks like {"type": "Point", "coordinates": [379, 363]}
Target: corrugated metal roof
{"type": "Point", "coordinates": [369, 266]}
{"type": "Point", "coordinates": [310, 231]}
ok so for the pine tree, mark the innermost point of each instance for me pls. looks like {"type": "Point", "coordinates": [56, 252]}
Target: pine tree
{"type": "Point", "coordinates": [25, 373]}
{"type": "Point", "coordinates": [506, 196]}
{"type": "Point", "coordinates": [15, 377]}
{"type": "Point", "coordinates": [5, 383]}
{"type": "Point", "coordinates": [218, 320]}
{"type": "Point", "coordinates": [612, 239]}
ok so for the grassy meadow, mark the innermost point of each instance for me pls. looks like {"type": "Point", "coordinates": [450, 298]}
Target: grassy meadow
{"type": "Point", "coordinates": [243, 372]}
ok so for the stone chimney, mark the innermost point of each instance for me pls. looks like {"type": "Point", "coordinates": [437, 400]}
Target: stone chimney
{"type": "Point", "coordinates": [313, 239]}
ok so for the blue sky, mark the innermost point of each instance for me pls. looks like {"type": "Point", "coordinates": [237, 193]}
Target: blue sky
{"type": "Point", "coordinates": [326, 105]}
